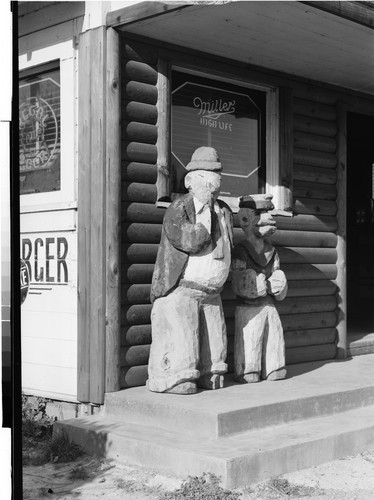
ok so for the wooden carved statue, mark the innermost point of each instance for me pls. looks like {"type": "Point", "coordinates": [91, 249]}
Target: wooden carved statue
{"type": "Point", "coordinates": [258, 281]}
{"type": "Point", "coordinates": [189, 342]}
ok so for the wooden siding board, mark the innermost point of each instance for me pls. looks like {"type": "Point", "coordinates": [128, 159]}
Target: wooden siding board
{"type": "Point", "coordinates": [300, 255]}
{"type": "Point", "coordinates": [306, 354]}
{"type": "Point", "coordinates": [113, 204]}
{"type": "Point", "coordinates": [305, 239]}
{"type": "Point", "coordinates": [144, 173]}
{"type": "Point", "coordinates": [140, 112]}
{"type": "Point", "coordinates": [307, 173]}
{"type": "Point", "coordinates": [141, 92]}
{"type": "Point", "coordinates": [84, 228]}
{"type": "Point", "coordinates": [142, 233]}
{"type": "Point", "coordinates": [314, 109]}
{"type": "Point", "coordinates": [139, 192]}
{"type": "Point", "coordinates": [138, 253]}
{"type": "Point", "coordinates": [341, 279]}
{"type": "Point", "coordinates": [314, 190]}
{"type": "Point", "coordinates": [140, 72]}
{"type": "Point", "coordinates": [97, 216]}
{"type": "Point", "coordinates": [315, 126]}
{"type": "Point", "coordinates": [136, 335]}
{"type": "Point", "coordinates": [140, 132]}
{"type": "Point", "coordinates": [313, 142]}
{"type": "Point", "coordinates": [315, 207]}
{"type": "Point", "coordinates": [314, 158]}
{"type": "Point", "coordinates": [310, 337]}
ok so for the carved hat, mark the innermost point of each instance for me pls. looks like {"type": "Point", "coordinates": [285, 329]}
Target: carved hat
{"type": "Point", "coordinates": [205, 158]}
{"type": "Point", "coordinates": [257, 201]}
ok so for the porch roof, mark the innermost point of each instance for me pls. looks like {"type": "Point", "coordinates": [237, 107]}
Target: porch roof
{"type": "Point", "coordinates": [331, 42]}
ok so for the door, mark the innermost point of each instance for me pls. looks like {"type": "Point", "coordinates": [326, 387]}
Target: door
{"type": "Point", "coordinates": [360, 228]}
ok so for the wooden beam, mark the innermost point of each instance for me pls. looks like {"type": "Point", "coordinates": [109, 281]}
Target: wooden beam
{"type": "Point", "coordinates": [113, 207]}
{"type": "Point", "coordinates": [84, 228]}
{"type": "Point", "coordinates": [140, 12]}
{"type": "Point", "coordinates": [341, 279]}
{"type": "Point", "coordinates": [91, 216]}
{"type": "Point", "coordinates": [357, 12]}
{"type": "Point", "coordinates": [286, 148]}
{"type": "Point", "coordinates": [164, 132]}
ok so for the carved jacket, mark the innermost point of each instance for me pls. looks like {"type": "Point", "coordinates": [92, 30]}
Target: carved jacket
{"type": "Point", "coordinates": [244, 258]}
{"type": "Point", "coordinates": [180, 237]}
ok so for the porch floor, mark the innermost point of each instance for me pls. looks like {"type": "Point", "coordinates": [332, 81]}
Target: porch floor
{"type": "Point", "coordinates": [243, 433]}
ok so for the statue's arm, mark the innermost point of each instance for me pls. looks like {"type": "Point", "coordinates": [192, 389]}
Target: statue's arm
{"type": "Point", "coordinates": [182, 234]}
{"type": "Point", "coordinates": [277, 282]}
{"type": "Point", "coordinates": [246, 283]}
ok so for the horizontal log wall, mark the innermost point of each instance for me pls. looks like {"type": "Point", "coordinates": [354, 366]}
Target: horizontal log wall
{"type": "Point", "coordinates": [141, 220]}
{"type": "Point", "coordinates": [309, 311]}
{"type": "Point", "coordinates": [306, 242]}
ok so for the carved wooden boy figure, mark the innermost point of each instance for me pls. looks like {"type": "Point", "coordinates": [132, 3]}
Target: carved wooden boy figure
{"type": "Point", "coordinates": [257, 281]}
{"type": "Point", "coordinates": [189, 341]}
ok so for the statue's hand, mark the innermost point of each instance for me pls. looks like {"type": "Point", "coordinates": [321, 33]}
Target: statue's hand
{"type": "Point", "coordinates": [277, 285]}
{"type": "Point", "coordinates": [248, 284]}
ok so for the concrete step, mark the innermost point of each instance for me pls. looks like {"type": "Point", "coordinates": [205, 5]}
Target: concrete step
{"type": "Point", "coordinates": [239, 459]}
{"type": "Point", "coordinates": [311, 390]}
{"type": "Point", "coordinates": [360, 344]}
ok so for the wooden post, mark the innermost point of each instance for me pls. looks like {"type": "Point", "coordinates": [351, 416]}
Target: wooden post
{"type": "Point", "coordinates": [341, 279]}
{"type": "Point", "coordinates": [286, 148]}
{"type": "Point", "coordinates": [163, 127]}
{"type": "Point", "coordinates": [91, 216]}
{"type": "Point", "coordinates": [84, 228]}
{"type": "Point", "coordinates": [113, 207]}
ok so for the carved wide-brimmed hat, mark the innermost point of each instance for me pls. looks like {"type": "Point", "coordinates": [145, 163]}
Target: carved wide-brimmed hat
{"type": "Point", "coordinates": [257, 201]}
{"type": "Point", "coordinates": [205, 158]}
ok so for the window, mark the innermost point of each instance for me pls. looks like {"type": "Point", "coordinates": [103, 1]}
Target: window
{"type": "Point", "coordinates": [230, 118]}
{"type": "Point", "coordinates": [39, 132]}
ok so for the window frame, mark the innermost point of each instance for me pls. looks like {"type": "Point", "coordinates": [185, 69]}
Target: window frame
{"type": "Point", "coordinates": [278, 150]}
{"type": "Point", "coordinates": [42, 71]}
{"type": "Point", "coordinates": [62, 57]}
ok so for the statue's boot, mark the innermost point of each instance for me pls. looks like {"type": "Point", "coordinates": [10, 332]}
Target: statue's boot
{"type": "Point", "coordinates": [277, 374]}
{"type": "Point", "coordinates": [248, 378]}
{"type": "Point", "coordinates": [183, 388]}
{"type": "Point", "coordinates": [214, 381]}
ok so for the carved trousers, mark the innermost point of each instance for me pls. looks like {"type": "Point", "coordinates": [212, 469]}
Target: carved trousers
{"type": "Point", "coordinates": [188, 338]}
{"type": "Point", "coordinates": [259, 340]}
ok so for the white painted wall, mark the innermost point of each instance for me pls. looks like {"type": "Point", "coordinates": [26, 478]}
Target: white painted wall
{"type": "Point", "coordinates": [48, 222]}
{"type": "Point", "coordinates": [50, 32]}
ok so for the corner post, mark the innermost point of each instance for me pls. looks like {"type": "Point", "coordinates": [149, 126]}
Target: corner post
{"type": "Point", "coordinates": [113, 208]}
{"type": "Point", "coordinates": [341, 279]}
{"type": "Point", "coordinates": [91, 216]}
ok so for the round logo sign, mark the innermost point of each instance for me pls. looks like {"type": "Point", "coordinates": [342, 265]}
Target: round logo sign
{"type": "Point", "coordinates": [24, 280]}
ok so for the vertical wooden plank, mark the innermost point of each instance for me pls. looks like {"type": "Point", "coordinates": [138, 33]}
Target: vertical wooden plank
{"type": "Point", "coordinates": [113, 207]}
{"type": "Point", "coordinates": [286, 148]}
{"type": "Point", "coordinates": [163, 127]}
{"type": "Point", "coordinates": [97, 216]}
{"type": "Point", "coordinates": [341, 279]}
{"type": "Point", "coordinates": [84, 227]}
{"type": "Point", "coordinates": [272, 146]}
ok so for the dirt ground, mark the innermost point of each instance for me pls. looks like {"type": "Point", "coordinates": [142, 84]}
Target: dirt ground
{"type": "Point", "coordinates": [350, 478]}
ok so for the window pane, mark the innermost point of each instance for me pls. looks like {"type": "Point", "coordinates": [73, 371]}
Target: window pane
{"type": "Point", "coordinates": [39, 133]}
{"type": "Point", "coordinates": [226, 117]}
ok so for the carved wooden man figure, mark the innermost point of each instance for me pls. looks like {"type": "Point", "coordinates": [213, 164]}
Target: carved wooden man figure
{"type": "Point", "coordinates": [257, 281]}
{"type": "Point", "coordinates": [189, 341]}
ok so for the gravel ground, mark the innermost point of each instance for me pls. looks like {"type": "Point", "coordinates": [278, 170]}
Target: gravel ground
{"type": "Point", "coordinates": [350, 478]}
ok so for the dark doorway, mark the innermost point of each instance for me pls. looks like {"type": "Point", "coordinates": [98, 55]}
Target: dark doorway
{"type": "Point", "coordinates": [360, 227]}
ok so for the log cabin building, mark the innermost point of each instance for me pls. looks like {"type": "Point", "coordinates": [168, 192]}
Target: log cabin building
{"type": "Point", "coordinates": [283, 90]}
